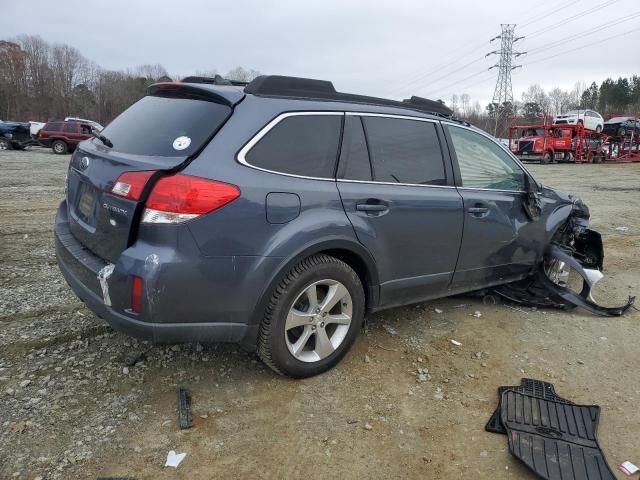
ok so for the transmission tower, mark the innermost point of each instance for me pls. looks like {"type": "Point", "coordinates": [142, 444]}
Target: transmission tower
{"type": "Point", "coordinates": [503, 94]}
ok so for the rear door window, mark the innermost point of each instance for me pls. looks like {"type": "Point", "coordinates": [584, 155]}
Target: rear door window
{"type": "Point", "coordinates": [305, 145]}
{"type": "Point", "coordinates": [404, 151]}
{"type": "Point", "coordinates": [70, 128]}
{"type": "Point", "coordinates": [165, 127]}
{"type": "Point", "coordinates": [483, 163]}
{"type": "Point", "coordinates": [53, 127]}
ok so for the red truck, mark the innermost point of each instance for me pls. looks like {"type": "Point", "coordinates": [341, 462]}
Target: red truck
{"type": "Point", "coordinates": [548, 143]}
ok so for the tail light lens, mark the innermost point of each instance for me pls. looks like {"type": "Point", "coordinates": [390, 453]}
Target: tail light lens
{"type": "Point", "coordinates": [136, 294]}
{"type": "Point", "coordinates": [178, 198]}
{"type": "Point", "coordinates": [130, 184]}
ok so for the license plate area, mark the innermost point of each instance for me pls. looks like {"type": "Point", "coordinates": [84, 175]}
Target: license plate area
{"type": "Point", "coordinates": [86, 205]}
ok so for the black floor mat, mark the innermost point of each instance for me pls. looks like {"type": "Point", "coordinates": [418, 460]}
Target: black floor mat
{"type": "Point", "coordinates": [528, 386]}
{"type": "Point", "coordinates": [555, 439]}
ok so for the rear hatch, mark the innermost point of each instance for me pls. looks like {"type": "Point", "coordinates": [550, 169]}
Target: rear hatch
{"type": "Point", "coordinates": [158, 134]}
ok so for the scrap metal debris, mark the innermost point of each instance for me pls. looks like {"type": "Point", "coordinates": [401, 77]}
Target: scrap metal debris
{"type": "Point", "coordinates": [185, 416]}
{"type": "Point", "coordinates": [574, 248]}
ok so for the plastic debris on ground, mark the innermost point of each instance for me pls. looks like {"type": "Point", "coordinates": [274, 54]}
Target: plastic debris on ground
{"type": "Point", "coordinates": [456, 343]}
{"type": "Point", "coordinates": [622, 229]}
{"type": "Point", "coordinates": [390, 330]}
{"type": "Point", "coordinates": [476, 314]}
{"type": "Point", "coordinates": [437, 310]}
{"type": "Point", "coordinates": [185, 416]}
{"type": "Point", "coordinates": [174, 459]}
{"type": "Point", "coordinates": [628, 468]}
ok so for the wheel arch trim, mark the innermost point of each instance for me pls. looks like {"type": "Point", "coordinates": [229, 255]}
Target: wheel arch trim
{"type": "Point", "coordinates": [371, 283]}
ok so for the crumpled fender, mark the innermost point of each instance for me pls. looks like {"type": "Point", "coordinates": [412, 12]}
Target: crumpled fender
{"type": "Point", "coordinates": [582, 299]}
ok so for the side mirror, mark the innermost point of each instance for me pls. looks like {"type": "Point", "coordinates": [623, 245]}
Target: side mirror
{"type": "Point", "coordinates": [531, 201]}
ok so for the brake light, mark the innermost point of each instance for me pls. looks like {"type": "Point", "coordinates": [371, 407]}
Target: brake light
{"type": "Point", "coordinates": [179, 197]}
{"type": "Point", "coordinates": [130, 184]}
{"type": "Point", "coordinates": [136, 294]}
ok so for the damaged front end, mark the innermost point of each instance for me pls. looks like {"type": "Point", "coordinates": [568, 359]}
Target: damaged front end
{"type": "Point", "coordinates": [574, 250]}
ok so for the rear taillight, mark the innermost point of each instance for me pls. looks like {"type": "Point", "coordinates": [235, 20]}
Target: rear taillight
{"type": "Point", "coordinates": [179, 197]}
{"type": "Point", "coordinates": [136, 294]}
{"type": "Point", "coordinates": [130, 184]}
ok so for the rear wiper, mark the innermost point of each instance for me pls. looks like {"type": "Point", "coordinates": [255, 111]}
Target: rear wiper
{"type": "Point", "coordinates": [102, 138]}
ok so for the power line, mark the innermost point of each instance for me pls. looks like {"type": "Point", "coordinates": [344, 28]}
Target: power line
{"type": "Point", "coordinates": [583, 46]}
{"type": "Point", "coordinates": [544, 15]}
{"type": "Point", "coordinates": [584, 33]}
{"type": "Point", "coordinates": [435, 70]}
{"type": "Point", "coordinates": [564, 21]}
{"type": "Point", "coordinates": [492, 76]}
{"type": "Point", "coordinates": [431, 92]}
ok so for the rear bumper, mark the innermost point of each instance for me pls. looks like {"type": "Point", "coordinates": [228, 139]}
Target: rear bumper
{"type": "Point", "coordinates": [188, 298]}
{"type": "Point", "coordinates": [155, 332]}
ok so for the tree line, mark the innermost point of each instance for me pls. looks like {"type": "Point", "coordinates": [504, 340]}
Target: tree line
{"type": "Point", "coordinates": [41, 82]}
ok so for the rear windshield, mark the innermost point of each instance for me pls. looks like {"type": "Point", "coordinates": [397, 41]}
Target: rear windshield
{"type": "Point", "coordinates": [165, 127]}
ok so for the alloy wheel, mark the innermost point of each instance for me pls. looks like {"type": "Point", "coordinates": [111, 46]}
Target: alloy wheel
{"type": "Point", "coordinates": [318, 320]}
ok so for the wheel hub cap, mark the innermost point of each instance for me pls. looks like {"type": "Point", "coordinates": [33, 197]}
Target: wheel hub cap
{"type": "Point", "coordinates": [318, 321]}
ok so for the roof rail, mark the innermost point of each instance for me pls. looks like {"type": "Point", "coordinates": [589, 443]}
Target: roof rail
{"type": "Point", "coordinates": [295, 87]}
{"type": "Point", "coordinates": [432, 105]}
{"type": "Point", "coordinates": [216, 80]}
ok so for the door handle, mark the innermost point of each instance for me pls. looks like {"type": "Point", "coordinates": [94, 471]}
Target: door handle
{"type": "Point", "coordinates": [371, 207]}
{"type": "Point", "coordinates": [477, 210]}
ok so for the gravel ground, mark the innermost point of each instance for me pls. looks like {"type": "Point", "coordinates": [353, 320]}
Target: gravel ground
{"type": "Point", "coordinates": [404, 405]}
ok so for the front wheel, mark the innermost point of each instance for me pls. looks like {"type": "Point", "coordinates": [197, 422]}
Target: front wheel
{"type": "Point", "coordinates": [598, 128]}
{"type": "Point", "coordinates": [313, 317]}
{"type": "Point", "coordinates": [5, 144]}
{"type": "Point", "coordinates": [547, 157]}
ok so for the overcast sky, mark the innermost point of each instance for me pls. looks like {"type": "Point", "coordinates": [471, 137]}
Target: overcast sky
{"type": "Point", "coordinates": [383, 48]}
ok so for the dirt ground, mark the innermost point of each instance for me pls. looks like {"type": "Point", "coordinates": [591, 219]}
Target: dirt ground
{"type": "Point", "coordinates": [70, 408]}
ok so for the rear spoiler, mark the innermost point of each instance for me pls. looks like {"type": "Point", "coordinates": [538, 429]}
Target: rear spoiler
{"type": "Point", "coordinates": [193, 91]}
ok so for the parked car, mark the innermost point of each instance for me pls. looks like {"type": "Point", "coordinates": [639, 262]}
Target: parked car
{"type": "Point", "coordinates": [65, 136]}
{"type": "Point", "coordinates": [292, 212]}
{"type": "Point", "coordinates": [590, 119]}
{"type": "Point", "coordinates": [35, 127]}
{"type": "Point", "coordinates": [95, 125]}
{"type": "Point", "coordinates": [14, 135]}
{"type": "Point", "coordinates": [622, 126]}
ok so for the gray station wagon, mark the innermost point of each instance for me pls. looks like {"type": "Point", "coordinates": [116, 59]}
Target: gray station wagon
{"type": "Point", "coordinates": [278, 214]}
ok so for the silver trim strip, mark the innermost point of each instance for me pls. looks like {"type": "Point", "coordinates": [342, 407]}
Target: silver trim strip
{"type": "Point", "coordinates": [391, 115]}
{"type": "Point", "coordinates": [241, 157]}
{"type": "Point", "coordinates": [345, 180]}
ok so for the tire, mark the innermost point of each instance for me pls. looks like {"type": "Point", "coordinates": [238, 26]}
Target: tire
{"type": "Point", "coordinates": [284, 326]}
{"type": "Point", "coordinates": [598, 157]}
{"type": "Point", "coordinates": [547, 157]}
{"type": "Point", "coordinates": [598, 128]}
{"type": "Point", "coordinates": [5, 144]}
{"type": "Point", "coordinates": [59, 147]}
{"type": "Point", "coordinates": [621, 132]}
{"type": "Point", "coordinates": [568, 157]}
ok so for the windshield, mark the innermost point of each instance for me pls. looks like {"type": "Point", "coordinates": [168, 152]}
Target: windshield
{"type": "Point", "coordinates": [165, 127]}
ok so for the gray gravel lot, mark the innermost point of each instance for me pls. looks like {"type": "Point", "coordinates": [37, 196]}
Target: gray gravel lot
{"type": "Point", "coordinates": [71, 408]}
